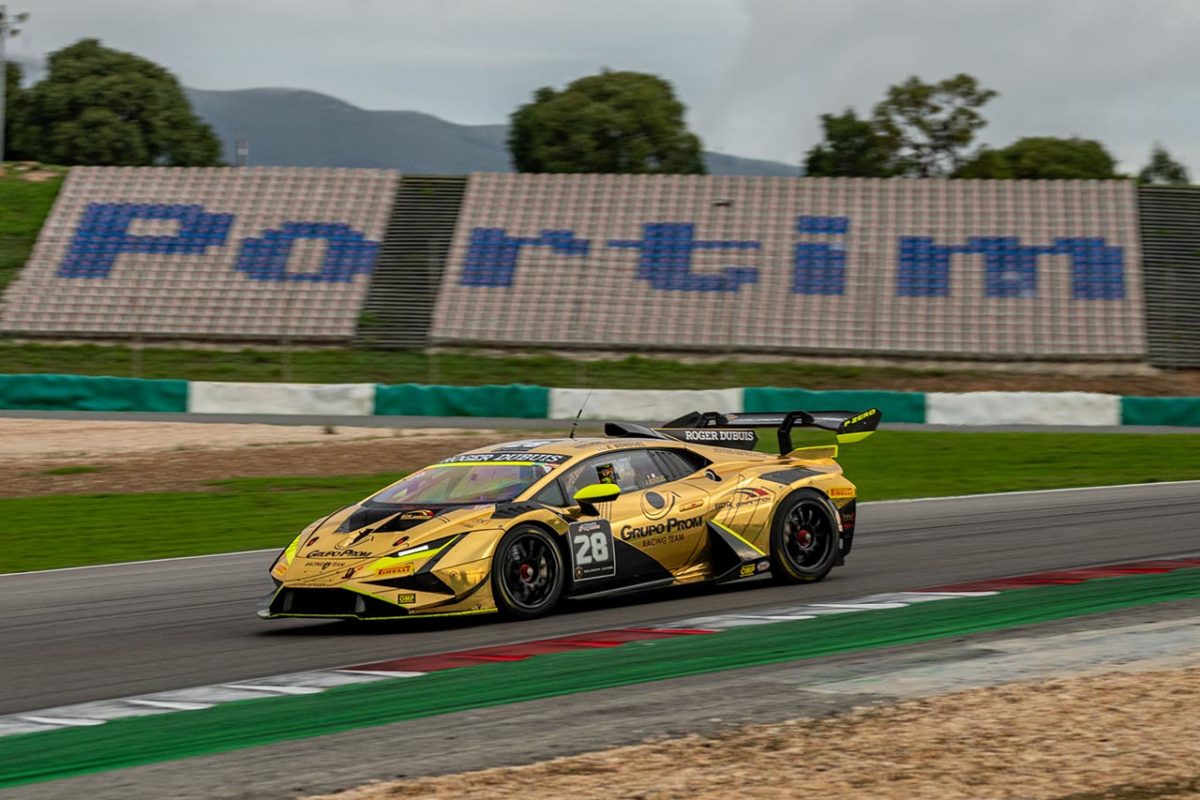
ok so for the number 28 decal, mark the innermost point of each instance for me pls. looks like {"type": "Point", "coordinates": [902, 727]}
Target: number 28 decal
{"type": "Point", "coordinates": [592, 551]}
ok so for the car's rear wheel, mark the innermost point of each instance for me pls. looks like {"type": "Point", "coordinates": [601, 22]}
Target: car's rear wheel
{"type": "Point", "coordinates": [527, 573]}
{"type": "Point", "coordinates": [804, 538]}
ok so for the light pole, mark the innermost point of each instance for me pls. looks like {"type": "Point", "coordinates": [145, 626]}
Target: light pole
{"type": "Point", "coordinates": [726, 206]}
{"type": "Point", "coordinates": [6, 30]}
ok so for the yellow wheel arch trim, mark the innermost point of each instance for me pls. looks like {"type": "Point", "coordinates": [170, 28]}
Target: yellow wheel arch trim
{"type": "Point", "coordinates": [739, 537]}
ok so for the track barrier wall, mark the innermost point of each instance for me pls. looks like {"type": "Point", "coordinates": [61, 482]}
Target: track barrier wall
{"type": "Point", "coordinates": [85, 393]}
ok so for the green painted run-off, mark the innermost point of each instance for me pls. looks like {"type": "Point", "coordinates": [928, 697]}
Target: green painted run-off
{"type": "Point", "coordinates": [144, 740]}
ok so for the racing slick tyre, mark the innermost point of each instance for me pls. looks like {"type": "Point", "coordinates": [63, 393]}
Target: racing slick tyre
{"type": "Point", "coordinates": [527, 573]}
{"type": "Point", "coordinates": [804, 538]}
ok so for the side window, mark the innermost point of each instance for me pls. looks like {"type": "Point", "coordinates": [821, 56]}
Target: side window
{"type": "Point", "coordinates": [632, 470]}
{"type": "Point", "coordinates": [680, 463]}
{"type": "Point", "coordinates": [552, 495]}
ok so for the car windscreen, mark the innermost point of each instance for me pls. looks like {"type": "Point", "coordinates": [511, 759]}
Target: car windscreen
{"type": "Point", "coordinates": [452, 484]}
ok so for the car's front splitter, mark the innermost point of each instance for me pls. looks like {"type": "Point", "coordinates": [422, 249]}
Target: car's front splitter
{"type": "Point", "coordinates": [343, 603]}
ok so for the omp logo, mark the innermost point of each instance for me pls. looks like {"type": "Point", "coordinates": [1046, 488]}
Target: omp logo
{"type": "Point", "coordinates": [630, 532]}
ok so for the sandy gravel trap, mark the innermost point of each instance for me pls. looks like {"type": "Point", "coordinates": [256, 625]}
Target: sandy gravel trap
{"type": "Point", "coordinates": [1116, 736]}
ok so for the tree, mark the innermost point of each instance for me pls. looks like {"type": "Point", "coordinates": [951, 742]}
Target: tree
{"type": "Point", "coordinates": [931, 125]}
{"type": "Point", "coordinates": [1163, 170]}
{"type": "Point", "coordinates": [852, 149]}
{"type": "Point", "coordinates": [105, 107]}
{"type": "Point", "coordinates": [627, 122]}
{"type": "Point", "coordinates": [1043, 157]}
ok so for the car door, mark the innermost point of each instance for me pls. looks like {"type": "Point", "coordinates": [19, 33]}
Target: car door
{"type": "Point", "coordinates": [656, 525]}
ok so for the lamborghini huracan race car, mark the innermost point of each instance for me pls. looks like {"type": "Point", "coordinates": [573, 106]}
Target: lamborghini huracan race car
{"type": "Point", "coordinates": [517, 527]}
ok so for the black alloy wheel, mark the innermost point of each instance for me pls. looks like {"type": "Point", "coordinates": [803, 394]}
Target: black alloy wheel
{"type": "Point", "coordinates": [527, 573]}
{"type": "Point", "coordinates": [804, 538]}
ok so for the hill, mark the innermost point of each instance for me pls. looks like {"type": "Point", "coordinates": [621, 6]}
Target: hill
{"type": "Point", "coordinates": [299, 128]}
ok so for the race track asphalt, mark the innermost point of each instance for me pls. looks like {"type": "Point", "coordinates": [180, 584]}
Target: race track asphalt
{"type": "Point", "coordinates": [103, 632]}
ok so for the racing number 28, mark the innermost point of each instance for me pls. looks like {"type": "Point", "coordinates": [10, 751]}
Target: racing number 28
{"type": "Point", "coordinates": [590, 548]}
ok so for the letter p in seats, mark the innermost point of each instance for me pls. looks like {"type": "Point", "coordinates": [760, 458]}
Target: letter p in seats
{"type": "Point", "coordinates": [103, 234]}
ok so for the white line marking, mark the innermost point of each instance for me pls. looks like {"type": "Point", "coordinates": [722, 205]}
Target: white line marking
{"type": "Point", "coordinates": [168, 704]}
{"type": "Point", "coordinates": [64, 722]}
{"type": "Point", "coordinates": [382, 673]}
{"type": "Point", "coordinates": [270, 689]}
{"type": "Point", "coordinates": [858, 606]}
{"type": "Point", "coordinates": [1033, 491]}
{"type": "Point", "coordinates": [136, 563]}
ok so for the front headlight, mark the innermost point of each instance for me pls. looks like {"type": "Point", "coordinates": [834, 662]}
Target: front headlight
{"type": "Point", "coordinates": [288, 553]}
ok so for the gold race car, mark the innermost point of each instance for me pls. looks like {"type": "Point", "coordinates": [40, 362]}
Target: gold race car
{"type": "Point", "coordinates": [517, 527]}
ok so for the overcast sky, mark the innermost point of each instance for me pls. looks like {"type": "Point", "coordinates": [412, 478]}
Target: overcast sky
{"type": "Point", "coordinates": [755, 74]}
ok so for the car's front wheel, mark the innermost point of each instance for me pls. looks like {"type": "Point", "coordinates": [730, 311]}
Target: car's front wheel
{"type": "Point", "coordinates": [527, 573]}
{"type": "Point", "coordinates": [804, 538]}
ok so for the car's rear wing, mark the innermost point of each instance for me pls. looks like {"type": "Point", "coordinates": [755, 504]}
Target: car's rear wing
{"type": "Point", "coordinates": [738, 430]}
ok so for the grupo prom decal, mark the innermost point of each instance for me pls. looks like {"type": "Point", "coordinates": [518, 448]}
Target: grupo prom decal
{"type": "Point", "coordinates": [818, 260]}
{"type": "Point", "coordinates": [102, 235]}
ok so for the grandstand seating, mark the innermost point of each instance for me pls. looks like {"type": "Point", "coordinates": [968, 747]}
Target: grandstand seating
{"type": "Point", "coordinates": [974, 269]}
{"type": "Point", "coordinates": [249, 254]}
{"type": "Point", "coordinates": [1011, 269]}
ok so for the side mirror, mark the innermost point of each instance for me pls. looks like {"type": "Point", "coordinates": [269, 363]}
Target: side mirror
{"type": "Point", "coordinates": [588, 496]}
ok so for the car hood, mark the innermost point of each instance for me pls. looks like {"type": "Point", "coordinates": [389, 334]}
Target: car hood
{"type": "Point", "coordinates": [374, 530]}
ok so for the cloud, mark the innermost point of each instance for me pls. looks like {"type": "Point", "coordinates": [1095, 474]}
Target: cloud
{"type": "Point", "coordinates": [1124, 73]}
{"type": "Point", "coordinates": [756, 74]}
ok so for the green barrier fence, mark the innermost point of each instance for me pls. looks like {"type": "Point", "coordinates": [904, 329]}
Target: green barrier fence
{"type": "Point", "coordinates": [415, 399]}
{"type": "Point", "coordinates": [1176, 411]}
{"type": "Point", "coordinates": [896, 406]}
{"type": "Point", "coordinates": [87, 393]}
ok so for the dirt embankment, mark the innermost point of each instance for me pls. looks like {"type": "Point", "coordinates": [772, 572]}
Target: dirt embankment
{"type": "Point", "coordinates": [40, 457]}
{"type": "Point", "coordinates": [1109, 737]}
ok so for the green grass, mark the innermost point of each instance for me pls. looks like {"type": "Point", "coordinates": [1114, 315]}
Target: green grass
{"type": "Point", "coordinates": [23, 208]}
{"type": "Point", "coordinates": [252, 513]}
{"type": "Point", "coordinates": [242, 514]}
{"type": "Point", "coordinates": [73, 469]}
{"type": "Point", "coordinates": [460, 368]}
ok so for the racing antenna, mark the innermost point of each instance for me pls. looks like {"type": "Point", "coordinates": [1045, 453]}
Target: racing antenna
{"type": "Point", "coordinates": [582, 406]}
